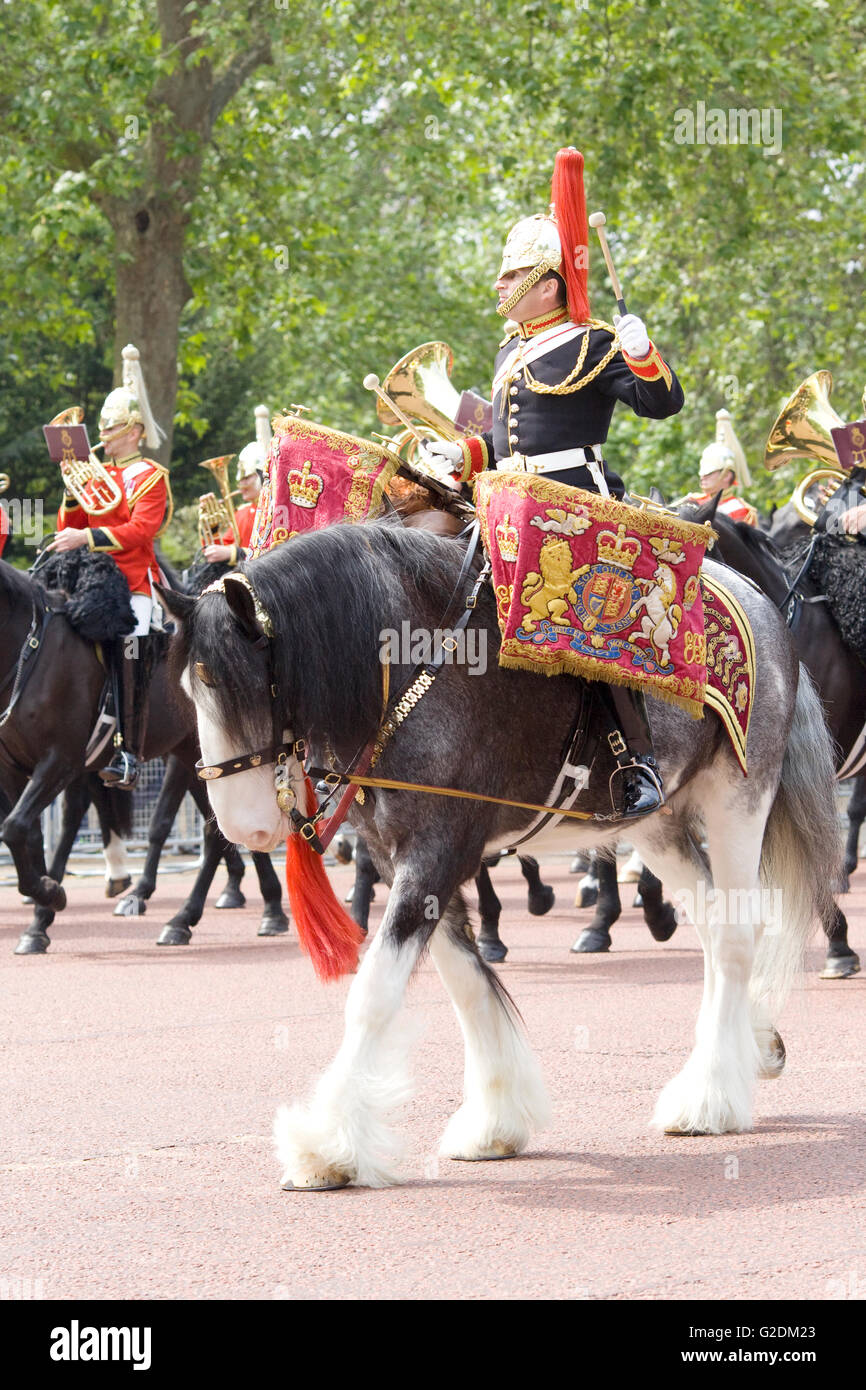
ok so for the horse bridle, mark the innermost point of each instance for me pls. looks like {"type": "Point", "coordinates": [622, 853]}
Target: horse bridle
{"type": "Point", "coordinates": [283, 747]}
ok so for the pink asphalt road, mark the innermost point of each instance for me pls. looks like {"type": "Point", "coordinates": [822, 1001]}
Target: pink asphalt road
{"type": "Point", "coordinates": [140, 1085]}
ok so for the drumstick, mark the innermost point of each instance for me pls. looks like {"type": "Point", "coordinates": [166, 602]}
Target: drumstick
{"type": "Point", "coordinates": [598, 220]}
{"type": "Point", "coordinates": [371, 381]}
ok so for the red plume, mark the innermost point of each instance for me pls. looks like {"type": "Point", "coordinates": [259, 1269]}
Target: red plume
{"type": "Point", "coordinates": [325, 930]}
{"type": "Point", "coordinates": [569, 209]}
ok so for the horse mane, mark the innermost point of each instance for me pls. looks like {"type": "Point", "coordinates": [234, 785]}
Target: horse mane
{"type": "Point", "coordinates": [330, 595]}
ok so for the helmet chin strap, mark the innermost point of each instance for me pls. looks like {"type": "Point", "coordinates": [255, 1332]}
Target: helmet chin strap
{"type": "Point", "coordinates": [536, 274]}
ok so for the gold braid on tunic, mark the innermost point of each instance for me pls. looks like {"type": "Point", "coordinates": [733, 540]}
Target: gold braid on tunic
{"type": "Point", "coordinates": [574, 381]}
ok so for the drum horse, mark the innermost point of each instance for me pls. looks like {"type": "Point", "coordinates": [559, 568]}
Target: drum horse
{"type": "Point", "coordinates": [289, 649]}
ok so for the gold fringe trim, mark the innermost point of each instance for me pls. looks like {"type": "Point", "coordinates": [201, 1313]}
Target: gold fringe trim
{"type": "Point", "coordinates": [606, 675]}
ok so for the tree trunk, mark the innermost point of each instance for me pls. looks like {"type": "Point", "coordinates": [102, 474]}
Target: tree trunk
{"type": "Point", "coordinates": [151, 293]}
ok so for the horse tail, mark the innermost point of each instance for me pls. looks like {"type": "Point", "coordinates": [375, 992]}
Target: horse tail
{"type": "Point", "coordinates": [801, 855]}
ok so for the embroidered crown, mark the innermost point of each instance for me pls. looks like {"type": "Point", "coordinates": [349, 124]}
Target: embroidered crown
{"type": "Point", "coordinates": [507, 538]}
{"type": "Point", "coordinates": [304, 486]}
{"type": "Point", "coordinates": [617, 549]}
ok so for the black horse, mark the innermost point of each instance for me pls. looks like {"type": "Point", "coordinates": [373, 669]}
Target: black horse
{"type": "Point", "coordinates": [836, 669]}
{"type": "Point", "coordinates": [44, 739]}
{"type": "Point", "coordinates": [540, 897]}
{"type": "Point", "coordinates": [290, 649]}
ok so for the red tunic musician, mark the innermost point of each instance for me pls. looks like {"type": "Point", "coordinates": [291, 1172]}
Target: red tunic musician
{"type": "Point", "coordinates": [252, 462]}
{"type": "Point", "coordinates": [127, 533]}
{"type": "Point", "coordinates": [723, 469]}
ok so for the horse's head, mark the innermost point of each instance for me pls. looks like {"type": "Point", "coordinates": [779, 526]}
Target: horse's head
{"type": "Point", "coordinates": [221, 654]}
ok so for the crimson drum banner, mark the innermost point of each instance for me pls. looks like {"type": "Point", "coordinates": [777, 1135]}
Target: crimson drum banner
{"type": "Point", "coordinates": [318, 476]}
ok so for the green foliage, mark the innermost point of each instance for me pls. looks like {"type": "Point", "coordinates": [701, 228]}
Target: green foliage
{"type": "Point", "coordinates": [353, 195]}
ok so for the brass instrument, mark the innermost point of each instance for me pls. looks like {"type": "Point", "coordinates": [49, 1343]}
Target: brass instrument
{"type": "Point", "coordinates": [803, 427]}
{"type": "Point", "coordinates": [216, 515]}
{"type": "Point", "coordinates": [420, 386]}
{"type": "Point", "coordinates": [802, 430]}
{"type": "Point", "coordinates": [4, 482]}
{"type": "Point", "coordinates": [88, 480]}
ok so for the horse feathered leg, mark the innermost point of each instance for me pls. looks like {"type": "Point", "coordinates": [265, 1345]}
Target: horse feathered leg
{"type": "Point", "coordinates": [343, 1134]}
{"type": "Point", "coordinates": [504, 1099]}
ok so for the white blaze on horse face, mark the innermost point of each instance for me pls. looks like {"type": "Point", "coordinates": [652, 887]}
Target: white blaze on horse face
{"type": "Point", "coordinates": [245, 803]}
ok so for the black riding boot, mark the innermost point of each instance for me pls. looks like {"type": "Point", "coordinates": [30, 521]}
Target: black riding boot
{"type": "Point", "coordinates": [131, 678]}
{"type": "Point", "coordinates": [630, 742]}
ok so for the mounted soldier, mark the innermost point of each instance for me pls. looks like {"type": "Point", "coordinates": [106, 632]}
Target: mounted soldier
{"type": "Point", "coordinates": [234, 544]}
{"type": "Point", "coordinates": [723, 470]}
{"type": "Point", "coordinates": [133, 507]}
{"type": "Point", "coordinates": [557, 377]}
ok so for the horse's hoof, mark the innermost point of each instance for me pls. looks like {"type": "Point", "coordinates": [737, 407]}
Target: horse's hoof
{"type": "Point", "coordinates": [343, 850]}
{"type": "Point", "coordinates": [174, 936]}
{"type": "Point", "coordinates": [496, 1151]}
{"type": "Point", "coordinates": [674, 1132]}
{"type": "Point", "coordinates": [665, 925]}
{"type": "Point", "coordinates": [592, 940]}
{"type": "Point", "coordinates": [775, 1062]}
{"type": "Point", "coordinates": [579, 864]}
{"type": "Point", "coordinates": [840, 967]}
{"type": "Point", "coordinates": [326, 1179]}
{"type": "Point", "coordinates": [277, 925]}
{"type": "Point", "coordinates": [113, 886]}
{"type": "Point", "coordinates": [587, 893]}
{"type": "Point", "coordinates": [231, 897]}
{"type": "Point", "coordinates": [542, 901]}
{"type": "Point", "coordinates": [492, 951]}
{"type": "Point", "coordinates": [35, 944]}
{"type": "Point", "coordinates": [130, 906]}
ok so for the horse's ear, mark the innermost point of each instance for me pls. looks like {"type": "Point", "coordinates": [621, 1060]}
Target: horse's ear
{"type": "Point", "coordinates": [242, 605]}
{"type": "Point", "coordinates": [178, 606]}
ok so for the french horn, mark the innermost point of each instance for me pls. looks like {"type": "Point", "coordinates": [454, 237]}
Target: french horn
{"type": "Point", "coordinates": [88, 480]}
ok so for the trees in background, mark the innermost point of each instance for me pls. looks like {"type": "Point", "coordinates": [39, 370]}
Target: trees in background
{"type": "Point", "coordinates": [273, 201]}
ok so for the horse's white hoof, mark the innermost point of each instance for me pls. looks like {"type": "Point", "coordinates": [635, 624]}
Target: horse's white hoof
{"type": "Point", "coordinates": [495, 1150]}
{"type": "Point", "coordinates": [772, 1057]}
{"type": "Point", "coordinates": [694, 1104]}
{"type": "Point", "coordinates": [320, 1178]}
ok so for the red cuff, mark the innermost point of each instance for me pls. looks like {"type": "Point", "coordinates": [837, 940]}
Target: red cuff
{"type": "Point", "coordinates": [649, 368]}
{"type": "Point", "coordinates": [475, 456]}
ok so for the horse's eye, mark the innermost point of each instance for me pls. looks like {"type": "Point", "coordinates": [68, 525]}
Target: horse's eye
{"type": "Point", "coordinates": [204, 674]}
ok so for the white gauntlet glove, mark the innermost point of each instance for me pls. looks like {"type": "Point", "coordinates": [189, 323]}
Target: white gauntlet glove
{"type": "Point", "coordinates": [632, 335]}
{"type": "Point", "coordinates": [443, 459]}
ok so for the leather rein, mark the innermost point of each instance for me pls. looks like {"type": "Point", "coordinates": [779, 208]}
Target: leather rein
{"type": "Point", "coordinates": [354, 779]}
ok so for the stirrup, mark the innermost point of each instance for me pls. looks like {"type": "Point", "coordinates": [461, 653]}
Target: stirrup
{"type": "Point", "coordinates": [642, 791]}
{"type": "Point", "coordinates": [121, 772]}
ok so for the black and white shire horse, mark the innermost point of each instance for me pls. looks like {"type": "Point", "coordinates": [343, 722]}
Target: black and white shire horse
{"type": "Point", "coordinates": [291, 655]}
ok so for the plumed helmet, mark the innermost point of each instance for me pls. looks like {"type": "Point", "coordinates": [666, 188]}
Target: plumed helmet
{"type": "Point", "coordinates": [557, 242]}
{"type": "Point", "coordinates": [726, 452]}
{"type": "Point", "coordinates": [128, 404]}
{"type": "Point", "coordinates": [254, 456]}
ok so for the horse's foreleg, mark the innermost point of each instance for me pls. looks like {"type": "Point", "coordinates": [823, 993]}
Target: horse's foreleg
{"type": "Point", "coordinates": [366, 875]}
{"type": "Point", "coordinates": [659, 915]}
{"type": "Point", "coordinates": [504, 1099]}
{"type": "Point", "coordinates": [274, 921]}
{"type": "Point", "coordinates": [47, 782]}
{"type": "Point", "coordinates": [842, 962]}
{"type": "Point", "coordinates": [490, 944]}
{"type": "Point", "coordinates": [541, 895]}
{"type": "Point", "coordinates": [342, 1135]}
{"type": "Point", "coordinates": [596, 937]}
